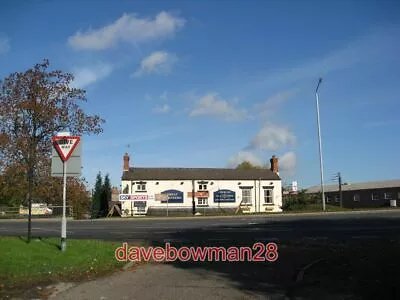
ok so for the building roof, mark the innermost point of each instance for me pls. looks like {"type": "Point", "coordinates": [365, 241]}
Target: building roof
{"type": "Point", "coordinates": [356, 186]}
{"type": "Point", "coordinates": [198, 174]}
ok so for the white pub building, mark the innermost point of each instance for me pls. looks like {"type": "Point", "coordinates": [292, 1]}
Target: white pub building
{"type": "Point", "coordinates": [184, 191]}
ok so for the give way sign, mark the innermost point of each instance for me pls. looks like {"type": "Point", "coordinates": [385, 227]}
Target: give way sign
{"type": "Point", "coordinates": [65, 145]}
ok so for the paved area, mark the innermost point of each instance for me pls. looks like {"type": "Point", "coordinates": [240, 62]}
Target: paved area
{"type": "Point", "coordinates": [162, 281]}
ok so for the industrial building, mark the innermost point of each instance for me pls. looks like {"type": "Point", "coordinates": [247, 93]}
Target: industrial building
{"type": "Point", "coordinates": [359, 195]}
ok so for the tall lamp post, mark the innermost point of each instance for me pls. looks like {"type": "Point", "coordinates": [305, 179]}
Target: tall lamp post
{"type": "Point", "coordinates": [320, 146]}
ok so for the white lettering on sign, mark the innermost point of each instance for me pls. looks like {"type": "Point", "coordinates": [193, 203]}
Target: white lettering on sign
{"type": "Point", "coordinates": [125, 197]}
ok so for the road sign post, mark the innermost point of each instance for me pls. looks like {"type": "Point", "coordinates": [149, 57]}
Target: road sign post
{"type": "Point", "coordinates": [64, 144]}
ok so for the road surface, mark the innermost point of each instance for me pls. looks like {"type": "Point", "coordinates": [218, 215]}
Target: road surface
{"type": "Point", "coordinates": [321, 256]}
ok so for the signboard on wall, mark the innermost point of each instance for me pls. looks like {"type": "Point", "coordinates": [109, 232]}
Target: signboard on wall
{"type": "Point", "coordinates": [161, 197]}
{"type": "Point", "coordinates": [222, 196]}
{"type": "Point", "coordinates": [129, 197]}
{"type": "Point", "coordinates": [174, 196]}
{"type": "Point", "coordinates": [200, 194]}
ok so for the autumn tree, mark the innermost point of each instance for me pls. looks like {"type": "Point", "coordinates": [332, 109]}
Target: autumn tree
{"type": "Point", "coordinates": [79, 199]}
{"type": "Point", "coordinates": [34, 106]}
{"type": "Point", "coordinates": [246, 165]}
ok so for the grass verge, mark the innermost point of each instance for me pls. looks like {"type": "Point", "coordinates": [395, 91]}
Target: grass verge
{"type": "Point", "coordinates": [41, 261]}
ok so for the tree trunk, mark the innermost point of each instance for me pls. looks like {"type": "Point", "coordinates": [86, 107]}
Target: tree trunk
{"type": "Point", "coordinates": [30, 185]}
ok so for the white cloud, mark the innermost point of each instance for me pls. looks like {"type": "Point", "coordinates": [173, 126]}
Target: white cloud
{"type": "Point", "coordinates": [162, 109]}
{"type": "Point", "coordinates": [158, 62]}
{"type": "Point", "coordinates": [244, 156]}
{"type": "Point", "coordinates": [272, 137]}
{"type": "Point", "coordinates": [129, 28]}
{"type": "Point", "coordinates": [84, 76]}
{"type": "Point", "coordinates": [211, 104]}
{"type": "Point", "coordinates": [4, 44]}
{"type": "Point", "coordinates": [273, 103]}
{"type": "Point", "coordinates": [288, 163]}
{"type": "Point", "coordinates": [164, 96]}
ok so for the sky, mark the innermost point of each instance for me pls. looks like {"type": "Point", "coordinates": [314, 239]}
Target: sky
{"type": "Point", "coordinates": [213, 83]}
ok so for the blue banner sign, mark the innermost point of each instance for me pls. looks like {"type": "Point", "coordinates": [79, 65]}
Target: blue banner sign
{"type": "Point", "coordinates": [174, 196]}
{"type": "Point", "coordinates": [224, 196]}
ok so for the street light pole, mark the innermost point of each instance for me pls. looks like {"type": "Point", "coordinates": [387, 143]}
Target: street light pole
{"type": "Point", "coordinates": [320, 146]}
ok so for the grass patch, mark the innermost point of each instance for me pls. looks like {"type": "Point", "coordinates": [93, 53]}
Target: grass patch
{"type": "Point", "coordinates": [41, 260]}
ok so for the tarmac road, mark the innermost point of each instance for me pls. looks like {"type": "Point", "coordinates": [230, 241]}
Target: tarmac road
{"type": "Point", "coordinates": [275, 228]}
{"type": "Point", "coordinates": [321, 256]}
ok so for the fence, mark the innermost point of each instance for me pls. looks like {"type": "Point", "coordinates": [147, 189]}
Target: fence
{"type": "Point", "coordinates": [42, 212]}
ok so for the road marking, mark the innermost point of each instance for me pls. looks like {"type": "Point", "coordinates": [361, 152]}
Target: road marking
{"type": "Point", "coordinates": [269, 239]}
{"type": "Point", "coordinates": [49, 229]}
{"type": "Point", "coordinates": [365, 237]}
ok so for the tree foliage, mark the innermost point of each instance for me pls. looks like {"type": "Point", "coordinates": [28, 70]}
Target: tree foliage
{"type": "Point", "coordinates": [96, 197]}
{"type": "Point", "coordinates": [101, 196]}
{"type": "Point", "coordinates": [34, 106]}
{"type": "Point", "coordinates": [105, 196]}
{"type": "Point", "coordinates": [247, 165]}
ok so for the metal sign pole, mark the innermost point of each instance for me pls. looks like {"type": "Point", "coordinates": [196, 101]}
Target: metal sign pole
{"type": "Point", "coordinates": [64, 219]}
{"type": "Point", "coordinates": [167, 204]}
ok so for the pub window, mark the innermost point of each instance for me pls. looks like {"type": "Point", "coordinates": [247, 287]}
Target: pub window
{"type": "Point", "coordinates": [202, 201]}
{"type": "Point", "coordinates": [375, 196]}
{"type": "Point", "coordinates": [327, 199]}
{"type": "Point", "coordinates": [337, 198]}
{"type": "Point", "coordinates": [202, 187]}
{"type": "Point", "coordinates": [268, 196]}
{"type": "Point", "coordinates": [246, 196]}
{"type": "Point", "coordinates": [140, 187]}
{"type": "Point", "coordinates": [356, 197]}
{"type": "Point", "coordinates": [126, 189]}
{"type": "Point", "coordinates": [388, 196]}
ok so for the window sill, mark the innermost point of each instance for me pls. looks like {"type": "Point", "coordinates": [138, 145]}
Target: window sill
{"type": "Point", "coordinates": [202, 205]}
{"type": "Point", "coordinates": [141, 192]}
{"type": "Point", "coordinates": [268, 204]}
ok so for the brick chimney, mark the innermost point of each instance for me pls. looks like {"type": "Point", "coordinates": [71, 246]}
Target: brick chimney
{"type": "Point", "coordinates": [126, 162]}
{"type": "Point", "coordinates": [274, 164]}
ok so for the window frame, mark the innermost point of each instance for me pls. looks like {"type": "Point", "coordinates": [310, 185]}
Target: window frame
{"type": "Point", "coordinates": [140, 187]}
{"type": "Point", "coordinates": [358, 197]}
{"type": "Point", "coordinates": [271, 196]}
{"type": "Point", "coordinates": [248, 197]}
{"type": "Point", "coordinates": [377, 198]}
{"type": "Point", "coordinates": [204, 201]}
{"type": "Point", "coordinates": [390, 196]}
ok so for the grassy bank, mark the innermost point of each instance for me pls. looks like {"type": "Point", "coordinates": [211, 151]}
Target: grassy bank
{"type": "Point", "coordinates": [41, 260]}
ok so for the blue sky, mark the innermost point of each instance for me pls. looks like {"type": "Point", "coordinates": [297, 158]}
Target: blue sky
{"type": "Point", "coordinates": [211, 83]}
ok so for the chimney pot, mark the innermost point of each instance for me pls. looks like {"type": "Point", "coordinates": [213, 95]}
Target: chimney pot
{"type": "Point", "coordinates": [274, 164]}
{"type": "Point", "coordinates": [126, 162]}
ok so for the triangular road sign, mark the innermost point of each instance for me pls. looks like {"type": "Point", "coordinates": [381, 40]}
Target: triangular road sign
{"type": "Point", "coordinates": [65, 145]}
